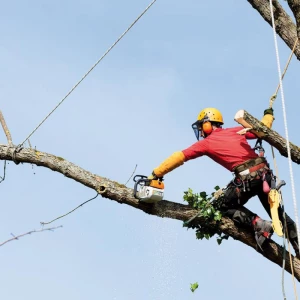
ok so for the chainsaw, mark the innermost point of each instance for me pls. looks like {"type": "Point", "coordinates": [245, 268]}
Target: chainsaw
{"type": "Point", "coordinates": [148, 190]}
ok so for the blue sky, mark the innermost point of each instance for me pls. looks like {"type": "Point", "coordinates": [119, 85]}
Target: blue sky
{"type": "Point", "coordinates": [136, 107]}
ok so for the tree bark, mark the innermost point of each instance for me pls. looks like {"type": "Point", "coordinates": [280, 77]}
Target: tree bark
{"type": "Point", "coordinates": [285, 27]}
{"type": "Point", "coordinates": [123, 195]}
{"type": "Point", "coordinates": [295, 7]}
{"type": "Point", "coordinates": [269, 135]}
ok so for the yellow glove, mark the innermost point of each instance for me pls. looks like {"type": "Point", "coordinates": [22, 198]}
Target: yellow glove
{"type": "Point", "coordinates": [268, 117]}
{"type": "Point", "coordinates": [172, 162]}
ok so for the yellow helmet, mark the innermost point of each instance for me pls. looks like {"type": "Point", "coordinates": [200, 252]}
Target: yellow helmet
{"type": "Point", "coordinates": [211, 114]}
{"type": "Point", "coordinates": [205, 118]}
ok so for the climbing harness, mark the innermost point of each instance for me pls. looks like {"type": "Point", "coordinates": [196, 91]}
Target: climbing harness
{"type": "Point", "coordinates": [86, 74]}
{"type": "Point", "coordinates": [259, 148]}
{"type": "Point", "coordinates": [274, 196]}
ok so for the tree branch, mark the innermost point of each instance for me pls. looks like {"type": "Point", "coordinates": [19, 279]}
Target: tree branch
{"type": "Point", "coordinates": [269, 135]}
{"type": "Point", "coordinates": [295, 8]}
{"type": "Point", "coordinates": [285, 27]}
{"type": "Point", "coordinates": [5, 129]}
{"type": "Point", "coordinates": [28, 233]}
{"type": "Point", "coordinates": [123, 195]}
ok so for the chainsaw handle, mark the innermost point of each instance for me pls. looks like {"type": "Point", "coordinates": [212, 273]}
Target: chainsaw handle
{"type": "Point", "coordinates": [138, 179]}
{"type": "Point", "coordinates": [135, 191]}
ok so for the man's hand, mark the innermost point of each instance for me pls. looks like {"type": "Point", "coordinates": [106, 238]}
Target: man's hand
{"type": "Point", "coordinates": [154, 177]}
{"type": "Point", "coordinates": [268, 117]}
{"type": "Point", "coordinates": [244, 131]}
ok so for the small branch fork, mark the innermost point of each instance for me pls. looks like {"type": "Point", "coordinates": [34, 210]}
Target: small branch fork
{"type": "Point", "coordinates": [28, 233]}
{"type": "Point", "coordinates": [6, 131]}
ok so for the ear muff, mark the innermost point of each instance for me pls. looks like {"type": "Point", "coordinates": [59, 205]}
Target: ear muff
{"type": "Point", "coordinates": [207, 127]}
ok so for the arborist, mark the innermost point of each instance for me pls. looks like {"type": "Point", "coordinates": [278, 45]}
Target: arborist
{"type": "Point", "coordinates": [232, 151]}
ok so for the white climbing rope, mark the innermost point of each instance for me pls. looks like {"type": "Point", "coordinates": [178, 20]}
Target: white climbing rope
{"type": "Point", "coordinates": [86, 74]}
{"type": "Point", "coordinates": [285, 124]}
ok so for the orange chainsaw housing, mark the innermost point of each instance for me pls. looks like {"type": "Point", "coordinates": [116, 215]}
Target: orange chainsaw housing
{"type": "Point", "coordinates": [157, 184]}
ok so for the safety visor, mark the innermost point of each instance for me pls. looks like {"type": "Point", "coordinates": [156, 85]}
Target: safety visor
{"type": "Point", "coordinates": [197, 127]}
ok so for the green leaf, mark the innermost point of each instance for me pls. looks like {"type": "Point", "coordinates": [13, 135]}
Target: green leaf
{"type": "Point", "coordinates": [217, 187]}
{"type": "Point", "coordinates": [225, 237]}
{"type": "Point", "coordinates": [203, 195]}
{"type": "Point", "coordinates": [194, 286]}
{"type": "Point", "coordinates": [217, 216]}
{"type": "Point", "coordinates": [207, 236]}
{"type": "Point", "coordinates": [219, 241]}
{"type": "Point", "coordinates": [199, 235]}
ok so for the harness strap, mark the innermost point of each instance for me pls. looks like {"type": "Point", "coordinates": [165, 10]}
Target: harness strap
{"type": "Point", "coordinates": [249, 164]}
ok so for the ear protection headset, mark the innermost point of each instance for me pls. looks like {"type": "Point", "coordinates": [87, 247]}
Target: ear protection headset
{"type": "Point", "coordinates": [207, 127]}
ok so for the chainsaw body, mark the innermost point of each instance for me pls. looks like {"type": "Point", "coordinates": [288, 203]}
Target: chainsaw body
{"type": "Point", "coordinates": [148, 190]}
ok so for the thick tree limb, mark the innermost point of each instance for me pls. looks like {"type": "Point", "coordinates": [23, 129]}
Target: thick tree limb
{"type": "Point", "coordinates": [120, 193]}
{"type": "Point", "coordinates": [295, 7]}
{"type": "Point", "coordinates": [285, 27]}
{"type": "Point", "coordinates": [269, 135]}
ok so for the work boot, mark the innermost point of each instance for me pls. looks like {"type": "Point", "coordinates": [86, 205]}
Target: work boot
{"type": "Point", "coordinates": [263, 230]}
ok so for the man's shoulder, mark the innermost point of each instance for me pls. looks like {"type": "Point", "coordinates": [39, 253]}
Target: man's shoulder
{"type": "Point", "coordinates": [233, 129]}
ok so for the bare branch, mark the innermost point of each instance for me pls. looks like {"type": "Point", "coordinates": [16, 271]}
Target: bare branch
{"type": "Point", "coordinates": [285, 27]}
{"type": "Point", "coordinates": [120, 193]}
{"type": "Point", "coordinates": [2, 178]}
{"type": "Point", "coordinates": [46, 223]}
{"type": "Point", "coordinates": [5, 128]}
{"type": "Point", "coordinates": [28, 233]}
{"type": "Point", "coordinates": [131, 174]}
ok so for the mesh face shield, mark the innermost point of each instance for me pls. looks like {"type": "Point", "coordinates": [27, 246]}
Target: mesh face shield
{"type": "Point", "coordinates": [197, 126]}
{"type": "Point", "coordinates": [197, 129]}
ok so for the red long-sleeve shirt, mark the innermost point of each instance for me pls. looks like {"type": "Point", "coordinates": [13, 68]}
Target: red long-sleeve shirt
{"type": "Point", "coordinates": [224, 146]}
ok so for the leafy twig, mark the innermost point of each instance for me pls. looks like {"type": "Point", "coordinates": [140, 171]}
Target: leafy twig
{"type": "Point", "coordinates": [207, 210]}
{"type": "Point", "coordinates": [28, 233]}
